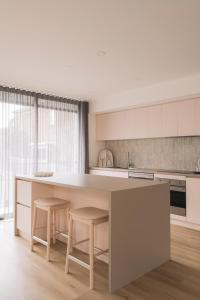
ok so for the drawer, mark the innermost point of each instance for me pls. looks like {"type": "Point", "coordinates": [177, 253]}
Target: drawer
{"type": "Point", "coordinates": [24, 219]}
{"type": "Point", "coordinates": [24, 192]}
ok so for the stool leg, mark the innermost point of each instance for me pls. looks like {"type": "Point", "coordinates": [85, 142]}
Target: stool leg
{"type": "Point", "coordinates": [33, 226]}
{"type": "Point", "coordinates": [54, 226]}
{"type": "Point", "coordinates": [91, 256]}
{"type": "Point", "coordinates": [69, 242]}
{"type": "Point", "coordinates": [68, 217]}
{"type": "Point", "coordinates": [48, 233]}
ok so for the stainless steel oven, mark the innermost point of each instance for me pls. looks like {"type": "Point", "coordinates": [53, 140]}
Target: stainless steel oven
{"type": "Point", "coordinates": [177, 193]}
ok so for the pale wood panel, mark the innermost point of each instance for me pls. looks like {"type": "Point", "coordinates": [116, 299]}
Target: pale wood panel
{"type": "Point", "coordinates": [186, 118]}
{"type": "Point", "coordinates": [169, 116]}
{"type": "Point", "coordinates": [197, 116]}
{"type": "Point", "coordinates": [23, 220]}
{"type": "Point", "coordinates": [24, 192]}
{"type": "Point", "coordinates": [139, 129]}
{"type": "Point", "coordinates": [153, 121]}
{"type": "Point", "coordinates": [102, 123]}
{"type": "Point", "coordinates": [193, 200]}
{"type": "Point", "coordinates": [111, 126]}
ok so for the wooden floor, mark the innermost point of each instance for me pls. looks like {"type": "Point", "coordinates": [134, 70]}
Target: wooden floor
{"type": "Point", "coordinates": [27, 276]}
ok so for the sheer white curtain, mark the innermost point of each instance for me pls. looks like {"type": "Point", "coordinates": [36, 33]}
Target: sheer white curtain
{"type": "Point", "coordinates": [39, 133]}
{"type": "Point", "coordinates": [16, 144]}
{"type": "Point", "coordinates": [58, 136]}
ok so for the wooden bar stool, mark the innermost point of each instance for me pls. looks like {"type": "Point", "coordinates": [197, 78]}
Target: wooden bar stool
{"type": "Point", "coordinates": [90, 216]}
{"type": "Point", "coordinates": [50, 205]}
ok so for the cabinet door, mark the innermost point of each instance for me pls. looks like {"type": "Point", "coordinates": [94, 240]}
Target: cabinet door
{"type": "Point", "coordinates": [153, 121]}
{"type": "Point", "coordinates": [186, 118]}
{"type": "Point", "coordinates": [193, 200]}
{"type": "Point", "coordinates": [101, 125]}
{"type": "Point", "coordinates": [113, 126]}
{"type": "Point", "coordinates": [197, 116]}
{"type": "Point", "coordinates": [139, 124]}
{"type": "Point", "coordinates": [24, 219]}
{"type": "Point", "coordinates": [24, 192]}
{"type": "Point", "coordinates": [170, 122]}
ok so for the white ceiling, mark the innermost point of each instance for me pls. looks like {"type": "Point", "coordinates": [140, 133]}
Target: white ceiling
{"type": "Point", "coordinates": [52, 45]}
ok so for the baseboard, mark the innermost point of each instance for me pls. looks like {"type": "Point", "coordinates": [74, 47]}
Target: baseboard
{"type": "Point", "coordinates": [185, 224]}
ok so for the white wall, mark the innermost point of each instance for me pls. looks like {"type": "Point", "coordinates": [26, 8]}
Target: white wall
{"type": "Point", "coordinates": [164, 91]}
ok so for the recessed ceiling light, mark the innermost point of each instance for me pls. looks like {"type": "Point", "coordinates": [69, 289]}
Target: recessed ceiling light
{"type": "Point", "coordinates": [101, 53]}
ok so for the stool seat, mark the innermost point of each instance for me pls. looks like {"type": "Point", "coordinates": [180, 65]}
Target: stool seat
{"type": "Point", "coordinates": [89, 213]}
{"type": "Point", "coordinates": [50, 202]}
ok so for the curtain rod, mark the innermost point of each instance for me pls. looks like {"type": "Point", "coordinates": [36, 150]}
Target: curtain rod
{"type": "Point", "coordinates": [38, 95]}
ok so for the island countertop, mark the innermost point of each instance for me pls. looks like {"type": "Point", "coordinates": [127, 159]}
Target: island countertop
{"type": "Point", "coordinates": [95, 182]}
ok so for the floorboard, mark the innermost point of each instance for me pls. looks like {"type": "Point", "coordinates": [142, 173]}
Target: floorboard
{"type": "Point", "coordinates": [27, 276]}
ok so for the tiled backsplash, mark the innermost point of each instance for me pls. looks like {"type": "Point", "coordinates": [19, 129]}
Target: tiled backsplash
{"type": "Point", "coordinates": [179, 153]}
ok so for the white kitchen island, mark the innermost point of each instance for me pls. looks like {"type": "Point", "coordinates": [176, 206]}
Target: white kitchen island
{"type": "Point", "coordinates": [138, 232]}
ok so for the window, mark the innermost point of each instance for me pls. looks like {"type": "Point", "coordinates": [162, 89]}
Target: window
{"type": "Point", "coordinates": [37, 134]}
{"type": "Point", "coordinates": [58, 133]}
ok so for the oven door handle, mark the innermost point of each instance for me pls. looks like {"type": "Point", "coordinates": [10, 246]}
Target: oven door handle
{"type": "Point", "coordinates": [177, 189]}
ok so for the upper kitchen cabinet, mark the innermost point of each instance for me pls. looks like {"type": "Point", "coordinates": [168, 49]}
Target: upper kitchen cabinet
{"type": "Point", "coordinates": [197, 116]}
{"type": "Point", "coordinates": [152, 121]}
{"type": "Point", "coordinates": [112, 126]}
{"type": "Point", "coordinates": [186, 118]}
{"type": "Point", "coordinates": [169, 119]}
{"type": "Point", "coordinates": [181, 118]}
{"type": "Point", "coordinates": [130, 124]}
{"type": "Point", "coordinates": [138, 126]}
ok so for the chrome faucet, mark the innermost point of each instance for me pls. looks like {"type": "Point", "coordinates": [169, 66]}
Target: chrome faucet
{"type": "Point", "coordinates": [129, 161]}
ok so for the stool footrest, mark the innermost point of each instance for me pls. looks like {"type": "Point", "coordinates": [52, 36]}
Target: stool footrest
{"type": "Point", "coordinates": [65, 235]}
{"type": "Point", "coordinates": [37, 239]}
{"type": "Point", "coordinates": [100, 252]}
{"type": "Point", "coordinates": [80, 242]}
{"type": "Point", "coordinates": [78, 261]}
{"type": "Point", "coordinates": [62, 234]}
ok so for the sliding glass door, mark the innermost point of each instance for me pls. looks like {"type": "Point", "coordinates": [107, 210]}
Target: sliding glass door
{"type": "Point", "coordinates": [37, 134]}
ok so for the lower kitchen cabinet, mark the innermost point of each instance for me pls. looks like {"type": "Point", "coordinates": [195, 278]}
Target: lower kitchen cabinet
{"type": "Point", "coordinates": [24, 219]}
{"type": "Point", "coordinates": [193, 200]}
{"type": "Point", "coordinates": [192, 218]}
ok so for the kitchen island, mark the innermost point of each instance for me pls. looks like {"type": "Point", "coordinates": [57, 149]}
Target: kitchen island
{"type": "Point", "coordinates": [138, 231]}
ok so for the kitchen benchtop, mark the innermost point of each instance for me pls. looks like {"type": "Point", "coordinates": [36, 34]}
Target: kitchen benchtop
{"type": "Point", "coordinates": [95, 182]}
{"type": "Point", "coordinates": [189, 174]}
